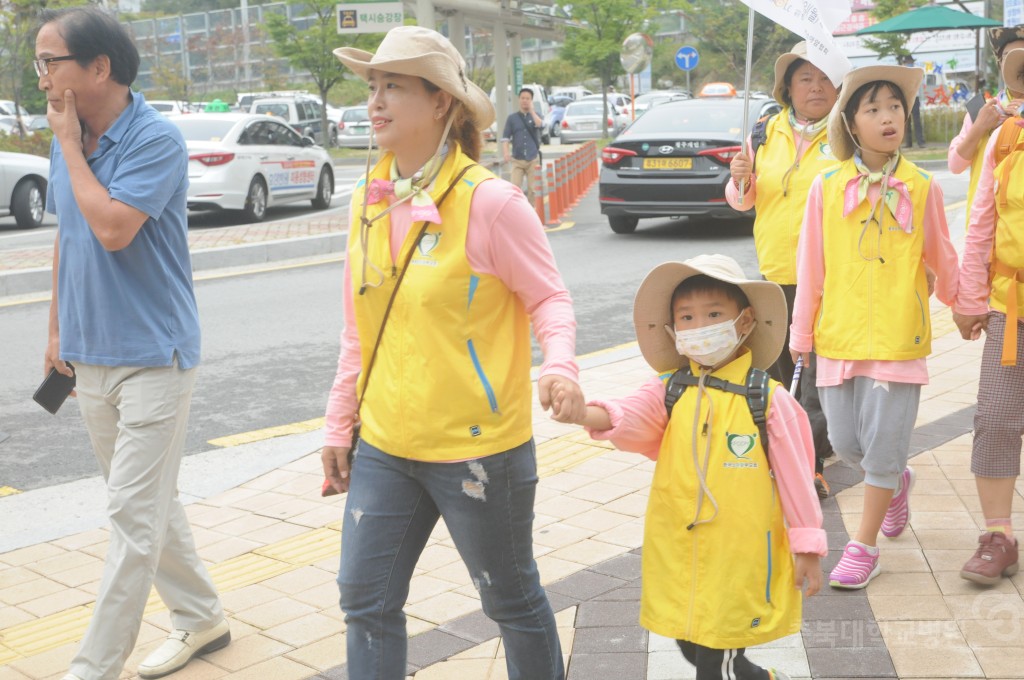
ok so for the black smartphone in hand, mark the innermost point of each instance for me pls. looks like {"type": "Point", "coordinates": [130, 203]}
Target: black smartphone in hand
{"type": "Point", "coordinates": [54, 389]}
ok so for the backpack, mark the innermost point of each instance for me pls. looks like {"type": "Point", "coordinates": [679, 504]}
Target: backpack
{"type": "Point", "coordinates": [758, 136]}
{"type": "Point", "coordinates": [1006, 143]}
{"type": "Point", "coordinates": [756, 391]}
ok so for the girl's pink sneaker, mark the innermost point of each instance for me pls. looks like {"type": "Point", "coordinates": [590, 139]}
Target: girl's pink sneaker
{"type": "Point", "coordinates": [855, 569]}
{"type": "Point", "coordinates": [897, 517]}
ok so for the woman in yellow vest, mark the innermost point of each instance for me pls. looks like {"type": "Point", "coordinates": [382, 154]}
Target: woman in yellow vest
{"type": "Point", "coordinates": [791, 149]}
{"type": "Point", "coordinates": [874, 224]}
{"type": "Point", "coordinates": [447, 268]}
{"type": "Point", "coordinates": [991, 299]}
{"type": "Point", "coordinates": [968, 148]}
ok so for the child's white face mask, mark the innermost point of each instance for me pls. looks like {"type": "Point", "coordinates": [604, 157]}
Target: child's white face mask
{"type": "Point", "coordinates": [707, 345]}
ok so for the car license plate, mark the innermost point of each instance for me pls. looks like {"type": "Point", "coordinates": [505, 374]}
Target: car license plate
{"type": "Point", "coordinates": [668, 164]}
{"type": "Point", "coordinates": [587, 126]}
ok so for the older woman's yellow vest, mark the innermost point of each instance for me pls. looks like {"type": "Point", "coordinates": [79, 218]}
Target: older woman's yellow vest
{"type": "Point", "coordinates": [780, 211]}
{"type": "Point", "coordinates": [727, 583]}
{"type": "Point", "coordinates": [875, 299]}
{"type": "Point", "coordinates": [452, 376]}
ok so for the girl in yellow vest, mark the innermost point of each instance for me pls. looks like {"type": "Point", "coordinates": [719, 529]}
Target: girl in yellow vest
{"type": "Point", "coordinates": [990, 299]}
{"type": "Point", "coordinates": [447, 268]}
{"type": "Point", "coordinates": [968, 148]}
{"type": "Point", "coordinates": [793, 149]}
{"type": "Point", "coordinates": [727, 511]}
{"type": "Point", "coordinates": [874, 224]}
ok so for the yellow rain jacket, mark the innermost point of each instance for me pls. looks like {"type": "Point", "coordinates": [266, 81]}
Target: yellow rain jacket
{"type": "Point", "coordinates": [1006, 270]}
{"type": "Point", "coordinates": [727, 582]}
{"type": "Point", "coordinates": [451, 379]}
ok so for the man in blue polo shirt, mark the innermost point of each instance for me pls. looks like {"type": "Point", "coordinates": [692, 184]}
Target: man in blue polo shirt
{"type": "Point", "coordinates": [124, 314]}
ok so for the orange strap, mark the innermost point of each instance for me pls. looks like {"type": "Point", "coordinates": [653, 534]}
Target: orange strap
{"type": "Point", "coordinates": [1016, 276]}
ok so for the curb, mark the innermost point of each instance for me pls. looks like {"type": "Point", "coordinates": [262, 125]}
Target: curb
{"type": "Point", "coordinates": [39, 279]}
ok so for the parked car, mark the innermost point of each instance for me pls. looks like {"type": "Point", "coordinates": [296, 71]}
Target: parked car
{"type": "Point", "coordinates": [553, 122]}
{"type": "Point", "coordinates": [573, 92]}
{"type": "Point", "coordinates": [7, 108]}
{"type": "Point", "coordinates": [168, 107]}
{"type": "Point", "coordinates": [648, 100]}
{"type": "Point", "coordinates": [301, 112]}
{"type": "Point", "coordinates": [674, 160]}
{"type": "Point", "coordinates": [354, 127]}
{"type": "Point", "coordinates": [23, 187]}
{"type": "Point", "coordinates": [249, 162]}
{"type": "Point", "coordinates": [619, 105]}
{"type": "Point", "coordinates": [584, 120]}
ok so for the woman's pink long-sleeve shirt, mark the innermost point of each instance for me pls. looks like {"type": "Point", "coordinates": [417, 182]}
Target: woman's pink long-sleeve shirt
{"type": "Point", "coordinates": [958, 163]}
{"type": "Point", "coordinates": [972, 298]}
{"type": "Point", "coordinates": [505, 239]}
{"type": "Point", "coordinates": [939, 255]}
{"type": "Point", "coordinates": [639, 421]}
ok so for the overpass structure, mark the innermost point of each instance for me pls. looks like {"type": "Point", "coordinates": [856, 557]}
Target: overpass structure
{"type": "Point", "coordinates": [509, 22]}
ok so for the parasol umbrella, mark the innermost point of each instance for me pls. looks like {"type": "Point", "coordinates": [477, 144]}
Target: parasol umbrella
{"type": "Point", "coordinates": [929, 18]}
{"type": "Point", "coordinates": [936, 18]}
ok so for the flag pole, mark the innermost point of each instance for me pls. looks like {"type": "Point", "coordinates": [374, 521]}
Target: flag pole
{"type": "Point", "coordinates": [746, 93]}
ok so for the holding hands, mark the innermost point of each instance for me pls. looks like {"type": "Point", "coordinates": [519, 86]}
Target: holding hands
{"type": "Point", "coordinates": [563, 396]}
{"type": "Point", "coordinates": [971, 325]}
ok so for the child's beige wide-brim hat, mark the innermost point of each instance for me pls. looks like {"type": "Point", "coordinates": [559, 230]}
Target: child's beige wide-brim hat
{"type": "Point", "coordinates": [1013, 66]}
{"type": "Point", "coordinates": [652, 311]}
{"type": "Point", "coordinates": [907, 78]}
{"type": "Point", "coordinates": [421, 52]}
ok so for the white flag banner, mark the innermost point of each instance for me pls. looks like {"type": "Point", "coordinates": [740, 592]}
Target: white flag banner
{"type": "Point", "coordinates": [815, 24]}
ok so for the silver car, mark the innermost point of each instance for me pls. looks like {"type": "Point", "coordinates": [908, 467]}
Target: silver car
{"type": "Point", "coordinates": [583, 121]}
{"type": "Point", "coordinates": [354, 127]}
{"type": "Point", "coordinates": [23, 187]}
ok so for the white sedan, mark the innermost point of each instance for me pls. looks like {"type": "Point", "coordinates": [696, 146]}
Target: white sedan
{"type": "Point", "coordinates": [249, 162]}
{"type": "Point", "coordinates": [23, 187]}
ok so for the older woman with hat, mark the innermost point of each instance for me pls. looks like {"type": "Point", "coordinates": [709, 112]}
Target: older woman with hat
{"type": "Point", "coordinates": [447, 268]}
{"type": "Point", "coordinates": [783, 155]}
{"type": "Point", "coordinates": [990, 300]}
{"type": "Point", "coordinates": [967, 150]}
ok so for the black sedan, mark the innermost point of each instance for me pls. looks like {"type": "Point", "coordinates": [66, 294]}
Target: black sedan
{"type": "Point", "coordinates": [674, 160]}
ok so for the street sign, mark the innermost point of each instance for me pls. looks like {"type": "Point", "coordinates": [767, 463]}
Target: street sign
{"type": "Point", "coordinates": [687, 58]}
{"type": "Point", "coordinates": [369, 16]}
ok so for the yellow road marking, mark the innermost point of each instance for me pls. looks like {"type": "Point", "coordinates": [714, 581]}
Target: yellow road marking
{"type": "Point", "coordinates": [561, 227]}
{"type": "Point", "coordinates": [954, 206]}
{"type": "Point", "coordinates": [8, 491]}
{"type": "Point", "coordinates": [268, 433]}
{"type": "Point", "coordinates": [66, 627]}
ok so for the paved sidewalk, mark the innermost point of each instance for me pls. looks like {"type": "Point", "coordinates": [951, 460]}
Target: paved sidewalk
{"type": "Point", "coordinates": [272, 546]}
{"type": "Point", "coordinates": [272, 543]}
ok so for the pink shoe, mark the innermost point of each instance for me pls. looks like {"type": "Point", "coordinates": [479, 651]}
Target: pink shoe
{"type": "Point", "coordinates": [897, 517]}
{"type": "Point", "coordinates": [855, 569]}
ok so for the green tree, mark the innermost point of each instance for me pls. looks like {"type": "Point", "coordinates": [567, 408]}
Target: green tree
{"type": "Point", "coordinates": [891, 44]}
{"type": "Point", "coordinates": [189, 6]}
{"type": "Point", "coordinates": [720, 31]}
{"type": "Point", "coordinates": [19, 20]}
{"type": "Point", "coordinates": [553, 72]}
{"type": "Point", "coordinates": [595, 46]}
{"type": "Point", "coordinates": [311, 48]}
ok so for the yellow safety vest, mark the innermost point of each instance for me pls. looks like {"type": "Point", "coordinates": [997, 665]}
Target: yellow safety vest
{"type": "Point", "coordinates": [1006, 270]}
{"type": "Point", "coordinates": [870, 310]}
{"type": "Point", "coordinates": [780, 214]}
{"type": "Point", "coordinates": [727, 583]}
{"type": "Point", "coordinates": [452, 376]}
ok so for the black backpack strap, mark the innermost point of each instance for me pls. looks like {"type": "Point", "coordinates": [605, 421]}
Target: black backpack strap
{"type": "Point", "coordinates": [758, 388]}
{"type": "Point", "coordinates": [683, 378]}
{"type": "Point", "coordinates": [758, 136]}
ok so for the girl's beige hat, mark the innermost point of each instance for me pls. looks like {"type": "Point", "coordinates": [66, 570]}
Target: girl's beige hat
{"type": "Point", "coordinates": [652, 311]}
{"type": "Point", "coordinates": [421, 52]}
{"type": "Point", "coordinates": [1013, 65]}
{"type": "Point", "coordinates": [907, 78]}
